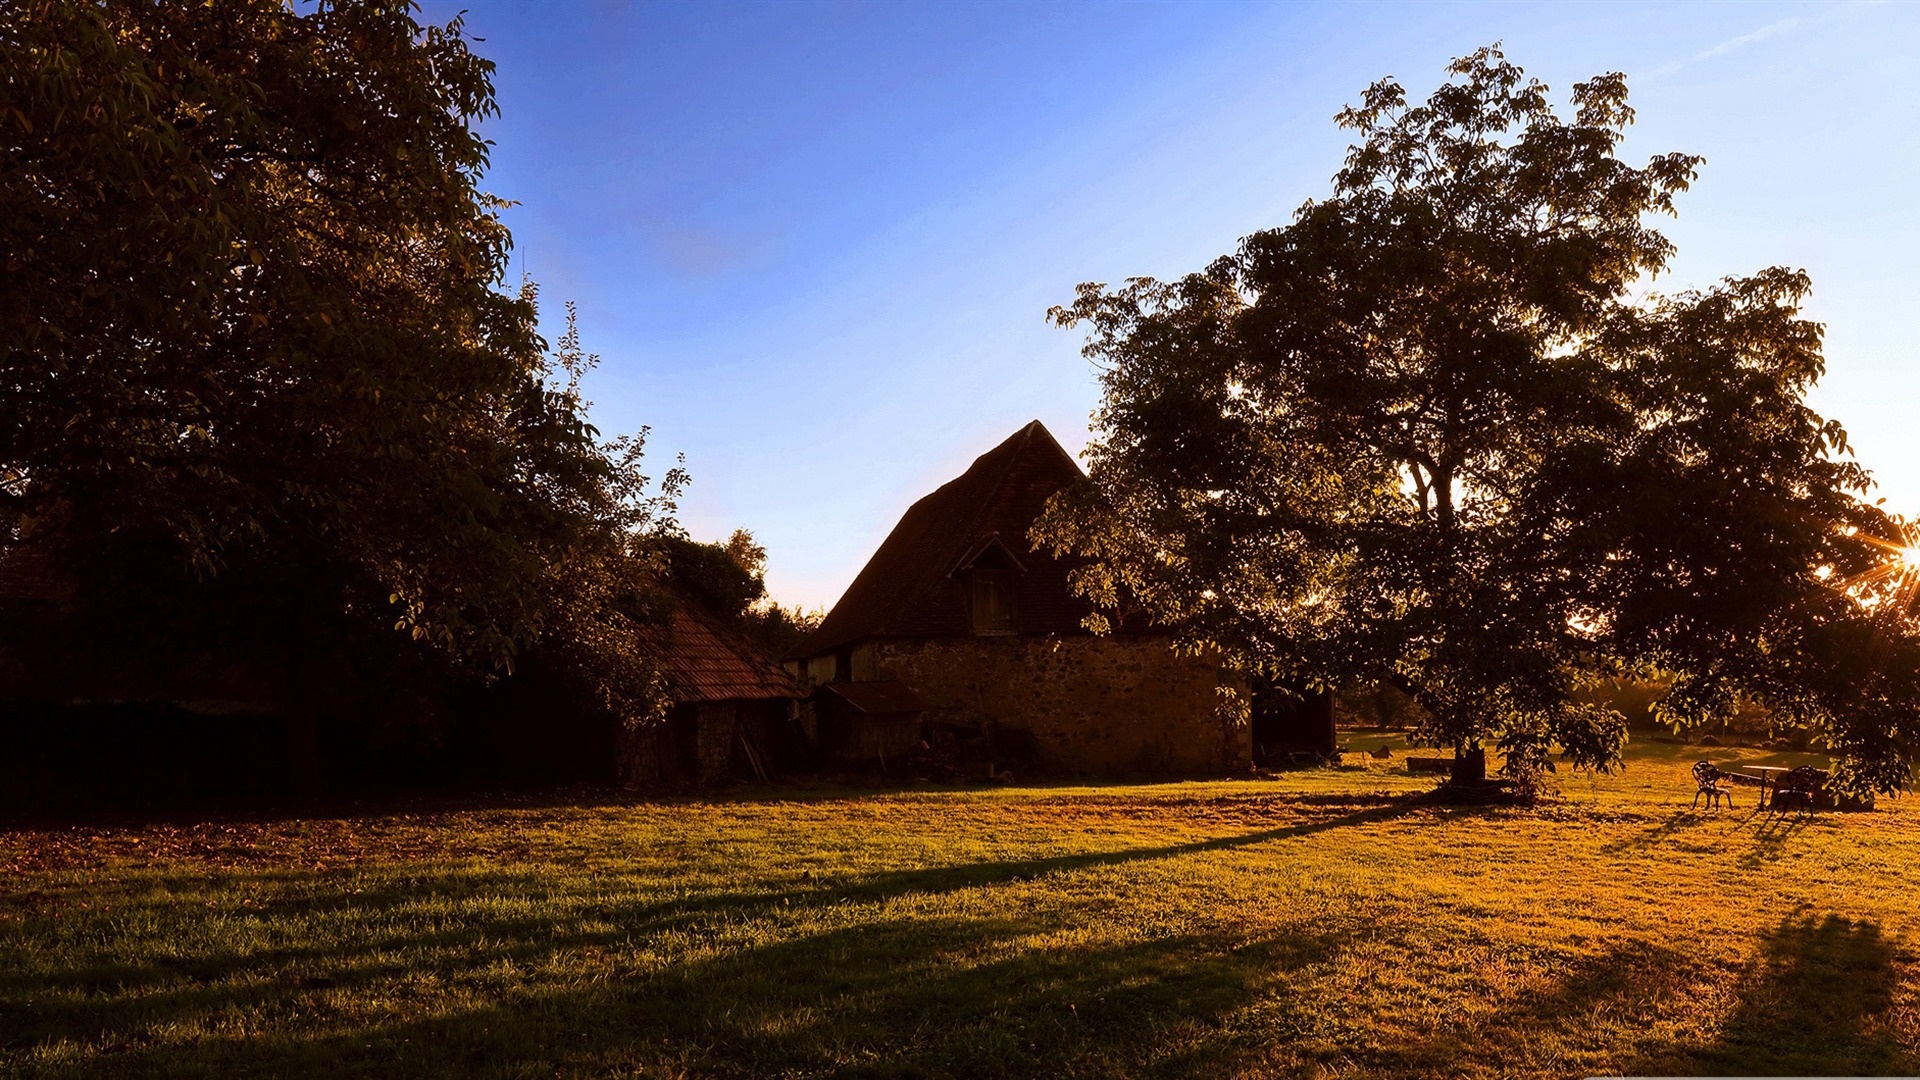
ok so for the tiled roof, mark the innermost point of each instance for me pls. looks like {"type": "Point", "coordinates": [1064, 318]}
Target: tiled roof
{"type": "Point", "coordinates": [707, 662]}
{"type": "Point", "coordinates": [908, 588]}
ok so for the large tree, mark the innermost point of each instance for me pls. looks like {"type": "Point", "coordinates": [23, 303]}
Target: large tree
{"type": "Point", "coordinates": [253, 339]}
{"type": "Point", "coordinates": [1437, 431]}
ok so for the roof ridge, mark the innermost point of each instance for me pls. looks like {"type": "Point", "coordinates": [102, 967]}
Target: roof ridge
{"type": "Point", "coordinates": [1010, 450]}
{"type": "Point", "coordinates": [1018, 443]}
{"type": "Point", "coordinates": [1025, 435]}
{"type": "Point", "coordinates": [906, 586]}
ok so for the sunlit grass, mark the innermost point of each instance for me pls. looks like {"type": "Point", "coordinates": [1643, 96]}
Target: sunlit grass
{"type": "Point", "coordinates": [1322, 923]}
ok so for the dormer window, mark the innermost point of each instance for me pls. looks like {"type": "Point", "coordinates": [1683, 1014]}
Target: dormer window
{"type": "Point", "coordinates": [990, 573]}
{"type": "Point", "coordinates": [993, 610]}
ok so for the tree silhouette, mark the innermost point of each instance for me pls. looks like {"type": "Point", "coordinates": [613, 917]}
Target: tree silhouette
{"type": "Point", "coordinates": [253, 339]}
{"type": "Point", "coordinates": [1436, 432]}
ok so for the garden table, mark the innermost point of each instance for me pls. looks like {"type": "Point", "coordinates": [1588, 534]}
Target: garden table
{"type": "Point", "coordinates": [1768, 774]}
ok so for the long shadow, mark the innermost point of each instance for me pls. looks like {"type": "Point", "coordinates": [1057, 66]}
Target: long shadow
{"type": "Point", "coordinates": [975, 875]}
{"type": "Point", "coordinates": [902, 997]}
{"type": "Point", "coordinates": [1678, 823]}
{"type": "Point", "coordinates": [124, 996]}
{"type": "Point", "coordinates": [1585, 1006]}
{"type": "Point", "coordinates": [354, 806]}
{"type": "Point", "coordinates": [1772, 834]}
{"type": "Point", "coordinates": [1771, 837]}
{"type": "Point", "coordinates": [920, 992]}
{"type": "Point", "coordinates": [1816, 1000]}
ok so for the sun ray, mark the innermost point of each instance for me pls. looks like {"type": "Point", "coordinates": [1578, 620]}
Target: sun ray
{"type": "Point", "coordinates": [1892, 586]}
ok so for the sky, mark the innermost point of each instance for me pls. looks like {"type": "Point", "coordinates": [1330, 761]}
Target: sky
{"type": "Point", "coordinates": [814, 243]}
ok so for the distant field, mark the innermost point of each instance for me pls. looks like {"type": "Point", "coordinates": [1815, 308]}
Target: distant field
{"type": "Point", "coordinates": [1325, 923]}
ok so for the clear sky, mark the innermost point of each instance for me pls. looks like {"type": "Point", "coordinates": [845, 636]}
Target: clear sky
{"type": "Point", "coordinates": [814, 243]}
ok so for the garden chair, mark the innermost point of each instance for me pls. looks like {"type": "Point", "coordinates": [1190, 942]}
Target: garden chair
{"type": "Point", "coordinates": [1797, 789]}
{"type": "Point", "coordinates": [1708, 776]}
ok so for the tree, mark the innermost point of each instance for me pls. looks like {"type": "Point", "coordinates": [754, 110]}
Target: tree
{"type": "Point", "coordinates": [729, 582]}
{"type": "Point", "coordinates": [1433, 433]}
{"type": "Point", "coordinates": [252, 335]}
{"type": "Point", "coordinates": [725, 579]}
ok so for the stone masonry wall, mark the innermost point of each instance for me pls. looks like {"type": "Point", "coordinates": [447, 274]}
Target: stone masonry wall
{"type": "Point", "coordinates": [1092, 705]}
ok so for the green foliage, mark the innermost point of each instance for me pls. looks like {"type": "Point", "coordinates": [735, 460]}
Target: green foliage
{"type": "Point", "coordinates": [252, 326]}
{"type": "Point", "coordinates": [724, 579]}
{"type": "Point", "coordinates": [1375, 705]}
{"type": "Point", "coordinates": [778, 628]}
{"type": "Point", "coordinates": [1433, 433]}
{"type": "Point", "coordinates": [728, 581]}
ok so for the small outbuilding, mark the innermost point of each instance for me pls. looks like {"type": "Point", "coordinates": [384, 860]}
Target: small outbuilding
{"type": "Point", "coordinates": [734, 709]}
{"type": "Point", "coordinates": [861, 723]}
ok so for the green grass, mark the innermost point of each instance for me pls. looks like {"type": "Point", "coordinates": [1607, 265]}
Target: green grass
{"type": "Point", "coordinates": [1324, 923]}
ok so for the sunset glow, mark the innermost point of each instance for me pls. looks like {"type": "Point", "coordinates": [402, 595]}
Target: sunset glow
{"type": "Point", "coordinates": [1894, 583]}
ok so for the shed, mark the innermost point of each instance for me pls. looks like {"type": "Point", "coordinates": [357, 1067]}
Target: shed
{"type": "Point", "coordinates": [862, 722]}
{"type": "Point", "coordinates": [733, 709]}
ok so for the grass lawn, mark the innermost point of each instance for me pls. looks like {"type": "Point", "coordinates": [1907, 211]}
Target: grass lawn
{"type": "Point", "coordinates": [1325, 923]}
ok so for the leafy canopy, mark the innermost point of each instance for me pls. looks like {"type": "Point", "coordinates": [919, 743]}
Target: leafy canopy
{"type": "Point", "coordinates": [251, 323]}
{"type": "Point", "coordinates": [1436, 432]}
{"type": "Point", "coordinates": [728, 581]}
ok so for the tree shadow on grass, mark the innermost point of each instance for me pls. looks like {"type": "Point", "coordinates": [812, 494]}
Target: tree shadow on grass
{"type": "Point", "coordinates": [411, 933]}
{"type": "Point", "coordinates": [1816, 999]}
{"type": "Point", "coordinates": [374, 806]}
{"type": "Point", "coordinates": [1677, 824]}
{"type": "Point", "coordinates": [1569, 1023]}
{"type": "Point", "coordinates": [909, 998]}
{"type": "Point", "coordinates": [889, 996]}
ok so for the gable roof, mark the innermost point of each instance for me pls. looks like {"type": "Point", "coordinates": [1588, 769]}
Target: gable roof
{"type": "Point", "coordinates": [707, 662]}
{"type": "Point", "coordinates": [913, 586]}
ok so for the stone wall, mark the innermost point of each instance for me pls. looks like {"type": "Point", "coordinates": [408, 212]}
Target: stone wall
{"type": "Point", "coordinates": [1091, 705]}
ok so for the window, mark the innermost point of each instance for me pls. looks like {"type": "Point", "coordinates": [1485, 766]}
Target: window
{"type": "Point", "coordinates": [993, 610]}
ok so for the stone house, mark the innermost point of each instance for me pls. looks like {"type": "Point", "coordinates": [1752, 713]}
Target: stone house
{"type": "Point", "coordinates": [956, 624]}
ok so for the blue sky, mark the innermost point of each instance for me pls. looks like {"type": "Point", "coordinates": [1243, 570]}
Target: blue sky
{"type": "Point", "coordinates": [814, 243]}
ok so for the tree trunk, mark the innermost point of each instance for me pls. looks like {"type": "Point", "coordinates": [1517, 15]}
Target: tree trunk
{"type": "Point", "coordinates": [1469, 765]}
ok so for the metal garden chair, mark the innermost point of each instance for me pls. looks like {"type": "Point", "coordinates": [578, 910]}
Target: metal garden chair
{"type": "Point", "coordinates": [1708, 776]}
{"type": "Point", "coordinates": [1798, 789]}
